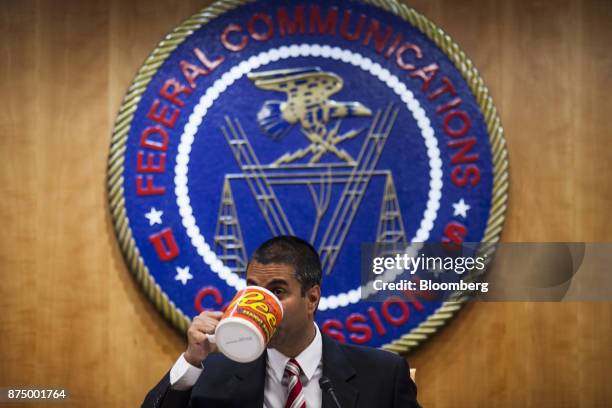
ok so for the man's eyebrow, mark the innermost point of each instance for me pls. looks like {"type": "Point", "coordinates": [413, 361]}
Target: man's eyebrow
{"type": "Point", "coordinates": [277, 281]}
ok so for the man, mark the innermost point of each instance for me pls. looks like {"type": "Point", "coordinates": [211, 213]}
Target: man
{"type": "Point", "coordinates": [298, 355]}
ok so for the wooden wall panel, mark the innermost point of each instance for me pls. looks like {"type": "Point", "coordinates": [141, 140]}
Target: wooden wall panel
{"type": "Point", "coordinates": [71, 314]}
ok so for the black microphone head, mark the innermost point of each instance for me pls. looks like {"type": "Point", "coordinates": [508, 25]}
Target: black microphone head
{"type": "Point", "coordinates": [325, 383]}
{"type": "Point", "coordinates": [326, 386]}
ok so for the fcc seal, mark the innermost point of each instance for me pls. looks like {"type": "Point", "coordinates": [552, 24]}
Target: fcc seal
{"type": "Point", "coordinates": [341, 122]}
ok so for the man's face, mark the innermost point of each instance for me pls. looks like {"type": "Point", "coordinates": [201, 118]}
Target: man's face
{"type": "Point", "coordinates": [298, 310]}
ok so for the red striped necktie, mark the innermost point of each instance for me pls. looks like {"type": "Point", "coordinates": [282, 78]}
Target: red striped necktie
{"type": "Point", "coordinates": [295, 396]}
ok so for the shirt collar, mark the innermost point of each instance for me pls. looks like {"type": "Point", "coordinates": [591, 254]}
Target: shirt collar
{"type": "Point", "coordinates": [308, 359]}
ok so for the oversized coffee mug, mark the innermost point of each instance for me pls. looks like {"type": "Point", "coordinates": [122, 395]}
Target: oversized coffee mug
{"type": "Point", "coordinates": [248, 323]}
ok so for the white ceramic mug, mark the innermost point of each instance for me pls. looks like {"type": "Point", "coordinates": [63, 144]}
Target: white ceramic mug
{"type": "Point", "coordinates": [248, 324]}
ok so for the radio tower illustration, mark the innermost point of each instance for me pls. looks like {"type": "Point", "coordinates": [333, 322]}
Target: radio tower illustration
{"type": "Point", "coordinates": [390, 233]}
{"type": "Point", "coordinates": [229, 244]}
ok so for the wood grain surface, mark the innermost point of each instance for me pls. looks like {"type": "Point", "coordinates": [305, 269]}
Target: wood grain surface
{"type": "Point", "coordinates": [71, 314]}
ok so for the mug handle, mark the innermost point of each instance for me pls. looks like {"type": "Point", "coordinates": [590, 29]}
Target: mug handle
{"type": "Point", "coordinates": [212, 338]}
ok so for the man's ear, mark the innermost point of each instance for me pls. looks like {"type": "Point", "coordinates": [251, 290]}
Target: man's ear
{"type": "Point", "coordinates": [313, 295]}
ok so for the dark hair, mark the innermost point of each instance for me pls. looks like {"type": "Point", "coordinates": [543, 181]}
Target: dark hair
{"type": "Point", "coordinates": [294, 252]}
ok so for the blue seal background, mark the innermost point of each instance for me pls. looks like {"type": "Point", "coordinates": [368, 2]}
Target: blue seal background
{"type": "Point", "coordinates": [210, 159]}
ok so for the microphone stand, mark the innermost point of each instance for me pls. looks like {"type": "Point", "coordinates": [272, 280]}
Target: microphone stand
{"type": "Point", "coordinates": [326, 385]}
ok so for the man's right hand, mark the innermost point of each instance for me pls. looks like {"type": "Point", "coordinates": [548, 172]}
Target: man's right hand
{"type": "Point", "coordinates": [198, 347]}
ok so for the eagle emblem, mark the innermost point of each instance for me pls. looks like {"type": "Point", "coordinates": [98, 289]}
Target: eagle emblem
{"type": "Point", "coordinates": [308, 104]}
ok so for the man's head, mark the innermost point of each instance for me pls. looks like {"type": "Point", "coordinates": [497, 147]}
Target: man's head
{"type": "Point", "coordinates": [291, 269]}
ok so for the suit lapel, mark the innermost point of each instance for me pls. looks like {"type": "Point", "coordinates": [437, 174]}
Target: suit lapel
{"type": "Point", "coordinates": [339, 370]}
{"type": "Point", "coordinates": [246, 387]}
{"type": "Point", "coordinates": [243, 385]}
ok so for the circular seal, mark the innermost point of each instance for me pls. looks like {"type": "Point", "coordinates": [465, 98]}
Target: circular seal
{"type": "Point", "coordinates": [339, 122]}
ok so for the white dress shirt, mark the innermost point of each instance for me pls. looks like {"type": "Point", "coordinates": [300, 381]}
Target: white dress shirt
{"type": "Point", "coordinates": [183, 375]}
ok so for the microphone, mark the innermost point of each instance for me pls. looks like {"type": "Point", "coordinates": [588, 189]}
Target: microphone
{"type": "Point", "coordinates": [326, 385]}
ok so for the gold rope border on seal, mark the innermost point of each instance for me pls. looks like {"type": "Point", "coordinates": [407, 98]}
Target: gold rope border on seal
{"type": "Point", "coordinates": [116, 197]}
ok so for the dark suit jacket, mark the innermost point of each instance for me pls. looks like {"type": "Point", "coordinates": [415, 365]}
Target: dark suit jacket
{"type": "Point", "coordinates": [362, 377]}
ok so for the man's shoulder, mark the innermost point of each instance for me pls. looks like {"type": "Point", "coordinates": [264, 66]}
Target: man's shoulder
{"type": "Point", "coordinates": [219, 361]}
{"type": "Point", "coordinates": [220, 365]}
{"type": "Point", "coordinates": [369, 356]}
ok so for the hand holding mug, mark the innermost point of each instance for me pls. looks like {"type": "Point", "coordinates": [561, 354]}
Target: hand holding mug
{"type": "Point", "coordinates": [199, 346]}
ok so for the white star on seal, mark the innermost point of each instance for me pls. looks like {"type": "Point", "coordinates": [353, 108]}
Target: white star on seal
{"type": "Point", "coordinates": [461, 208]}
{"type": "Point", "coordinates": [154, 216]}
{"type": "Point", "coordinates": [182, 274]}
